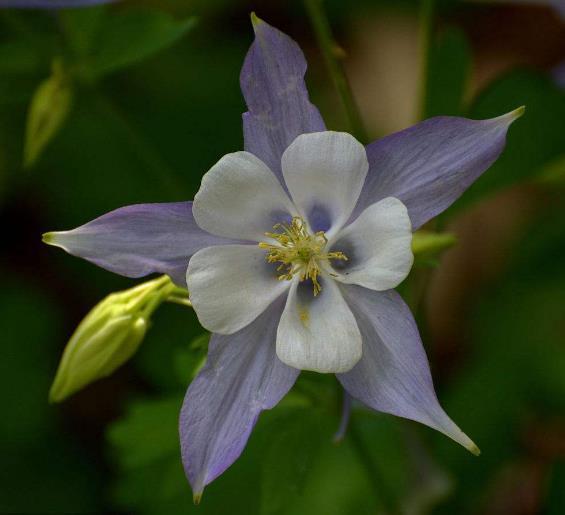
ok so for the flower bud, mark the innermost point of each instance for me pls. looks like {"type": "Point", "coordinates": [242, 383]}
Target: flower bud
{"type": "Point", "coordinates": [48, 111]}
{"type": "Point", "coordinates": [107, 337]}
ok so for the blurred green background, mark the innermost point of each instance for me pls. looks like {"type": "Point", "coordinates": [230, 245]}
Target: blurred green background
{"type": "Point", "coordinates": [146, 100]}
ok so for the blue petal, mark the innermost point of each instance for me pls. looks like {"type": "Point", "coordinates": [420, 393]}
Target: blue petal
{"type": "Point", "coordinates": [272, 81]}
{"type": "Point", "coordinates": [242, 377]}
{"type": "Point", "coordinates": [428, 166]}
{"type": "Point", "coordinates": [139, 240]}
{"type": "Point", "coordinates": [393, 375]}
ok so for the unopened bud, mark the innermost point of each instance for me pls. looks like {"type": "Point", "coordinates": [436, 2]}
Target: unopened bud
{"type": "Point", "coordinates": [107, 337]}
{"type": "Point", "coordinates": [48, 111]}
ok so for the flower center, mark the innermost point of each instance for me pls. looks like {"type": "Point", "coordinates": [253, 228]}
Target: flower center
{"type": "Point", "coordinates": [298, 251]}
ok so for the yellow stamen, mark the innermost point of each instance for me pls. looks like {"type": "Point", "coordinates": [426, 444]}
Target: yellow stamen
{"type": "Point", "coordinates": [298, 251]}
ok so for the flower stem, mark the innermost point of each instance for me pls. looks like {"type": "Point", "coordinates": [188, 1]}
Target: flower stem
{"type": "Point", "coordinates": [427, 9]}
{"type": "Point", "coordinates": [332, 54]}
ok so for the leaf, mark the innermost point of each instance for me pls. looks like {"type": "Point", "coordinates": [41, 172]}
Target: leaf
{"type": "Point", "coordinates": [81, 27]}
{"type": "Point", "coordinates": [168, 362]}
{"type": "Point", "coordinates": [125, 39]}
{"type": "Point", "coordinates": [48, 110]}
{"type": "Point", "coordinates": [188, 361]}
{"type": "Point", "coordinates": [148, 432]}
{"type": "Point", "coordinates": [448, 73]}
{"type": "Point", "coordinates": [145, 444]}
{"type": "Point", "coordinates": [294, 440]}
{"type": "Point", "coordinates": [150, 477]}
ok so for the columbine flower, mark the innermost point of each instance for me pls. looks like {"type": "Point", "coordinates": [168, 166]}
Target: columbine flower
{"type": "Point", "coordinates": [293, 247]}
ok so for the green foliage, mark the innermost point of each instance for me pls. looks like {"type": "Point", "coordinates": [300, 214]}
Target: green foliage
{"type": "Point", "coordinates": [289, 456]}
{"type": "Point", "coordinates": [147, 421]}
{"type": "Point", "coordinates": [19, 57]}
{"type": "Point", "coordinates": [188, 361]}
{"type": "Point", "coordinates": [128, 38]}
{"type": "Point", "coordinates": [517, 368]}
{"type": "Point", "coordinates": [448, 73]}
{"type": "Point", "coordinates": [37, 454]}
{"type": "Point", "coordinates": [146, 448]}
{"type": "Point", "coordinates": [97, 45]}
{"type": "Point", "coordinates": [81, 28]}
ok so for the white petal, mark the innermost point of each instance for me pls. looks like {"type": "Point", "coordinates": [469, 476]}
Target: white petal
{"type": "Point", "coordinates": [240, 198]}
{"type": "Point", "coordinates": [318, 333]}
{"type": "Point", "coordinates": [377, 245]}
{"type": "Point", "coordinates": [231, 285]}
{"type": "Point", "coordinates": [324, 173]}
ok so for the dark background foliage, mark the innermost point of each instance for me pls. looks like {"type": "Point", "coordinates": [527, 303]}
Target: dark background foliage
{"type": "Point", "coordinates": [155, 102]}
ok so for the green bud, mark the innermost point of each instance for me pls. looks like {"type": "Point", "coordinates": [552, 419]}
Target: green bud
{"type": "Point", "coordinates": [107, 337]}
{"type": "Point", "coordinates": [48, 110]}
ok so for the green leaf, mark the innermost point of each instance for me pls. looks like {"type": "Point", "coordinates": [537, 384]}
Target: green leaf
{"type": "Point", "coordinates": [151, 480]}
{"type": "Point", "coordinates": [81, 27]}
{"type": "Point", "coordinates": [146, 447]}
{"type": "Point", "coordinates": [448, 72]}
{"type": "Point", "coordinates": [188, 361]}
{"type": "Point", "coordinates": [148, 432]}
{"type": "Point", "coordinates": [49, 108]}
{"type": "Point", "coordinates": [125, 39]}
{"type": "Point", "coordinates": [168, 362]}
{"type": "Point", "coordinates": [291, 449]}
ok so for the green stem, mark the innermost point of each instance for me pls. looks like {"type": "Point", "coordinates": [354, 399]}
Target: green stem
{"type": "Point", "coordinates": [331, 51]}
{"type": "Point", "coordinates": [179, 300]}
{"type": "Point", "coordinates": [383, 496]}
{"type": "Point", "coordinates": [427, 9]}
